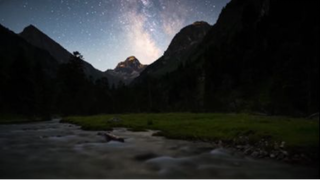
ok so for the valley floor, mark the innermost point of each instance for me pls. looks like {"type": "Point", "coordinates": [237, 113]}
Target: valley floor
{"type": "Point", "coordinates": [286, 139]}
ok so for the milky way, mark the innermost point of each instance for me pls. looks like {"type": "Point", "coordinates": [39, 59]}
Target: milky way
{"type": "Point", "coordinates": [108, 31]}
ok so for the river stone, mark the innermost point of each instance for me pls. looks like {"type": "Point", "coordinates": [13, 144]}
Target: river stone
{"type": "Point", "coordinates": [145, 156]}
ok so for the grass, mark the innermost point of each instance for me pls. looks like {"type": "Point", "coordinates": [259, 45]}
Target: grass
{"type": "Point", "coordinates": [13, 119]}
{"type": "Point", "coordinates": [295, 132]}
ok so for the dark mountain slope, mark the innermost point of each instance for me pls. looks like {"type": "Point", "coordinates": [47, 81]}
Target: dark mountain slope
{"type": "Point", "coordinates": [25, 75]}
{"type": "Point", "coordinates": [261, 55]}
{"type": "Point", "coordinates": [34, 84]}
{"type": "Point", "coordinates": [266, 60]}
{"type": "Point", "coordinates": [181, 47]}
{"type": "Point", "coordinates": [34, 36]}
{"type": "Point", "coordinates": [37, 38]}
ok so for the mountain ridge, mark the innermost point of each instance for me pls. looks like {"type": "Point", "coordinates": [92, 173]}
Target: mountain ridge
{"type": "Point", "coordinates": [39, 39]}
{"type": "Point", "coordinates": [181, 46]}
{"type": "Point", "coordinates": [36, 37]}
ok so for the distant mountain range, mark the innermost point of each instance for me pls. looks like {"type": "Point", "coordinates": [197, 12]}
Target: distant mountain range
{"type": "Point", "coordinates": [183, 44]}
{"type": "Point", "coordinates": [125, 71]}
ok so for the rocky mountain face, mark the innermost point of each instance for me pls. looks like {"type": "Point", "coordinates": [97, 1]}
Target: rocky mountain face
{"type": "Point", "coordinates": [37, 38]}
{"type": "Point", "coordinates": [188, 38]}
{"type": "Point", "coordinates": [127, 70]}
{"type": "Point", "coordinates": [260, 56]}
{"type": "Point", "coordinates": [130, 65]}
{"type": "Point", "coordinates": [182, 45]}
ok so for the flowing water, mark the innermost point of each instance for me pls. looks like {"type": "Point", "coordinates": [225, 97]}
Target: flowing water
{"type": "Point", "coordinates": [55, 150]}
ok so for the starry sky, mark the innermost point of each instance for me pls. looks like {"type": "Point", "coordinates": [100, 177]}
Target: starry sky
{"type": "Point", "coordinates": [108, 31]}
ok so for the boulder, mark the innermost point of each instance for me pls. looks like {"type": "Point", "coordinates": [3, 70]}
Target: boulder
{"type": "Point", "coordinates": [110, 137]}
{"type": "Point", "coordinates": [314, 116]}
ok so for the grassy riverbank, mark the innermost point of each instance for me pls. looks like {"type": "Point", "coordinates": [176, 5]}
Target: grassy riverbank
{"type": "Point", "coordinates": [212, 127]}
{"type": "Point", "coordinates": [16, 119]}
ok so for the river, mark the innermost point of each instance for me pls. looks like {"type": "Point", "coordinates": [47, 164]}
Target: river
{"type": "Point", "coordinates": [57, 150]}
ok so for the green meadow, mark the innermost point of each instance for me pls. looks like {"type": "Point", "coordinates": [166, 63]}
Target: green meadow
{"type": "Point", "coordinates": [295, 132]}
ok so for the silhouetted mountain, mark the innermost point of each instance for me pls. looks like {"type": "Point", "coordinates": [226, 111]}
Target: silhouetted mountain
{"type": "Point", "coordinates": [37, 38]}
{"type": "Point", "coordinates": [261, 55]}
{"type": "Point", "coordinates": [34, 83]}
{"type": "Point", "coordinates": [25, 75]}
{"type": "Point", "coordinates": [182, 45]}
{"type": "Point", "coordinates": [13, 46]}
{"type": "Point", "coordinates": [188, 38]}
{"type": "Point", "coordinates": [127, 70]}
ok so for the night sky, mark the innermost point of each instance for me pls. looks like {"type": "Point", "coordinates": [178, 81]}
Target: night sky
{"type": "Point", "coordinates": [108, 31]}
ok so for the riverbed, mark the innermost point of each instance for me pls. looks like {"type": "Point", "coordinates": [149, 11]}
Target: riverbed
{"type": "Point", "coordinates": [52, 149]}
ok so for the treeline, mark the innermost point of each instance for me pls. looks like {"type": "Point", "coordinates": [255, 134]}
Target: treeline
{"type": "Point", "coordinates": [27, 89]}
